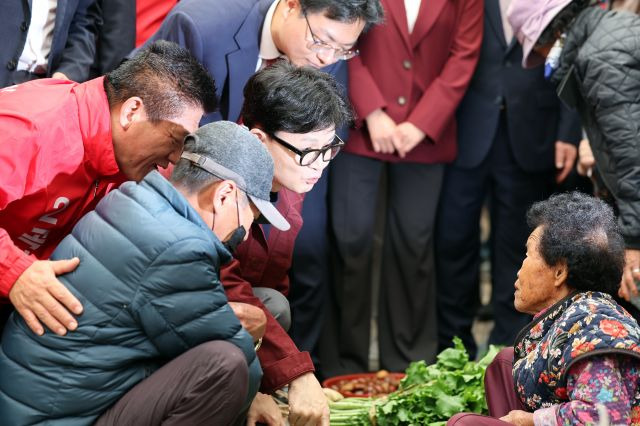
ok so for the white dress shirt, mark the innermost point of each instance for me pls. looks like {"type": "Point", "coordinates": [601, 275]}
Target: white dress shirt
{"type": "Point", "coordinates": [506, 26]}
{"type": "Point", "coordinates": [412, 7]}
{"type": "Point", "coordinates": [37, 47]}
{"type": "Point", "coordinates": [268, 49]}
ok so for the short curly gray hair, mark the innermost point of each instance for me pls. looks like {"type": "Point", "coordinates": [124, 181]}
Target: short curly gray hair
{"type": "Point", "coordinates": [582, 231]}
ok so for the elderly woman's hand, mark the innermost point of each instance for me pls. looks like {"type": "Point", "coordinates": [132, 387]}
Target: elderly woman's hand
{"type": "Point", "coordinates": [519, 418]}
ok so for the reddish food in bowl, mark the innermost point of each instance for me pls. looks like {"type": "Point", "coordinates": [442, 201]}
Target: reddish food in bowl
{"type": "Point", "coordinates": [365, 384]}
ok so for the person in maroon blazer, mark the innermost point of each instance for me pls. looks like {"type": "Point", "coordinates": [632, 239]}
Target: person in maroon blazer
{"type": "Point", "coordinates": [405, 86]}
{"type": "Point", "coordinates": [295, 113]}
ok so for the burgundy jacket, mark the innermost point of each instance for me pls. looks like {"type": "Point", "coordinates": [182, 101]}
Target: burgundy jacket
{"type": "Point", "coordinates": [266, 263]}
{"type": "Point", "coordinates": [419, 77]}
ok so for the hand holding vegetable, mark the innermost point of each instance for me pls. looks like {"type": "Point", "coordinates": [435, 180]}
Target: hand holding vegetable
{"type": "Point", "coordinates": [307, 404]}
{"type": "Point", "coordinates": [264, 410]}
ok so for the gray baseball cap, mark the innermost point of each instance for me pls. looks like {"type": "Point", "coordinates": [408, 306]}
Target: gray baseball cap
{"type": "Point", "coordinates": [231, 152]}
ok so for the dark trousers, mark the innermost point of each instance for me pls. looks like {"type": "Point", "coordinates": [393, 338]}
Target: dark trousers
{"type": "Point", "coordinates": [310, 270]}
{"type": "Point", "coordinates": [511, 191]}
{"type": "Point", "coordinates": [207, 385]}
{"type": "Point", "coordinates": [406, 310]}
{"type": "Point", "coordinates": [500, 394]}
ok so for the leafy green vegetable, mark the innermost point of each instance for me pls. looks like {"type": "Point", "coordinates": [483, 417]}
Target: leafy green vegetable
{"type": "Point", "coordinates": [428, 394]}
{"type": "Point", "coordinates": [454, 358]}
{"type": "Point", "coordinates": [351, 411]}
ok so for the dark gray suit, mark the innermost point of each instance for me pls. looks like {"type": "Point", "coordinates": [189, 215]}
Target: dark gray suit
{"type": "Point", "coordinates": [72, 47]}
{"type": "Point", "coordinates": [116, 36]}
{"type": "Point", "coordinates": [508, 124]}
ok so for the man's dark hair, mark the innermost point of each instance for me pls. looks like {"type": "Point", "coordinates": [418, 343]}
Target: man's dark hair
{"type": "Point", "coordinates": [582, 231]}
{"type": "Point", "coordinates": [369, 11]}
{"type": "Point", "coordinates": [283, 97]}
{"type": "Point", "coordinates": [562, 21]}
{"type": "Point", "coordinates": [166, 77]}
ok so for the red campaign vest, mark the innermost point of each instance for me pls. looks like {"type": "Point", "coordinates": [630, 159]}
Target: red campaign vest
{"type": "Point", "coordinates": [56, 162]}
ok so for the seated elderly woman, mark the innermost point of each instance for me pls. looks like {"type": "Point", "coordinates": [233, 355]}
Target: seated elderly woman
{"type": "Point", "coordinates": [578, 361]}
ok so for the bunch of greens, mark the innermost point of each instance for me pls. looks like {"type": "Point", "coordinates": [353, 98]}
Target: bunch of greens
{"type": "Point", "coordinates": [428, 395]}
{"type": "Point", "coordinates": [352, 412]}
{"type": "Point", "coordinates": [432, 394]}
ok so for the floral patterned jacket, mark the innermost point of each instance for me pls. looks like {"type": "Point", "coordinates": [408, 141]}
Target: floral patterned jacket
{"type": "Point", "coordinates": [581, 325]}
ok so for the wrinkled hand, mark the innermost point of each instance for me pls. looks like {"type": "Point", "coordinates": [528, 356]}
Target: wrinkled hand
{"type": "Point", "coordinates": [586, 161]}
{"type": "Point", "coordinates": [381, 128]}
{"type": "Point", "coordinates": [40, 298]}
{"type": "Point", "coordinates": [565, 159]}
{"type": "Point", "coordinates": [264, 410]}
{"type": "Point", "coordinates": [251, 317]}
{"type": "Point", "coordinates": [60, 76]}
{"type": "Point", "coordinates": [631, 272]}
{"type": "Point", "coordinates": [406, 137]}
{"type": "Point", "coordinates": [307, 404]}
{"type": "Point", "coordinates": [519, 418]}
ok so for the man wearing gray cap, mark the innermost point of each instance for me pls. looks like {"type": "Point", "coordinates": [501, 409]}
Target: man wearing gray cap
{"type": "Point", "coordinates": [158, 343]}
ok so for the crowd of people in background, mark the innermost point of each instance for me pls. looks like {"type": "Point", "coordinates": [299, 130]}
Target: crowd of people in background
{"type": "Point", "coordinates": [191, 193]}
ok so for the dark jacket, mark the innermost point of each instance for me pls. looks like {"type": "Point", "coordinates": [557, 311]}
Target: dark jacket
{"type": "Point", "coordinates": [124, 24]}
{"type": "Point", "coordinates": [599, 74]}
{"type": "Point", "coordinates": [535, 117]}
{"type": "Point", "coordinates": [72, 47]}
{"type": "Point", "coordinates": [116, 34]}
{"type": "Point", "coordinates": [148, 281]}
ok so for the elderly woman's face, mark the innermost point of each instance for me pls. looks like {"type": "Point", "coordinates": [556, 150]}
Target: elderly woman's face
{"type": "Point", "coordinates": [535, 286]}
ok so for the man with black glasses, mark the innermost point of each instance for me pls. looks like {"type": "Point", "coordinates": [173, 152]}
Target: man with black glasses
{"type": "Point", "coordinates": [294, 112]}
{"type": "Point", "coordinates": [235, 39]}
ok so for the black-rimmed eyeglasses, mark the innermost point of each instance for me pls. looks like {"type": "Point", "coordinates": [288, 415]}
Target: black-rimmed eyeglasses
{"type": "Point", "coordinates": [318, 46]}
{"type": "Point", "coordinates": [308, 156]}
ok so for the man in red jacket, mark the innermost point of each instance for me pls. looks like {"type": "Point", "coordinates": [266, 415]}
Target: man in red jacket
{"type": "Point", "coordinates": [65, 145]}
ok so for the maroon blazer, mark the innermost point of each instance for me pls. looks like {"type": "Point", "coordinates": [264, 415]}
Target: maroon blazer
{"type": "Point", "coordinates": [261, 262]}
{"type": "Point", "coordinates": [419, 77]}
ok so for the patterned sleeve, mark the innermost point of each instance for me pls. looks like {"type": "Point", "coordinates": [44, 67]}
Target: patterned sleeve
{"type": "Point", "coordinates": [595, 387]}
